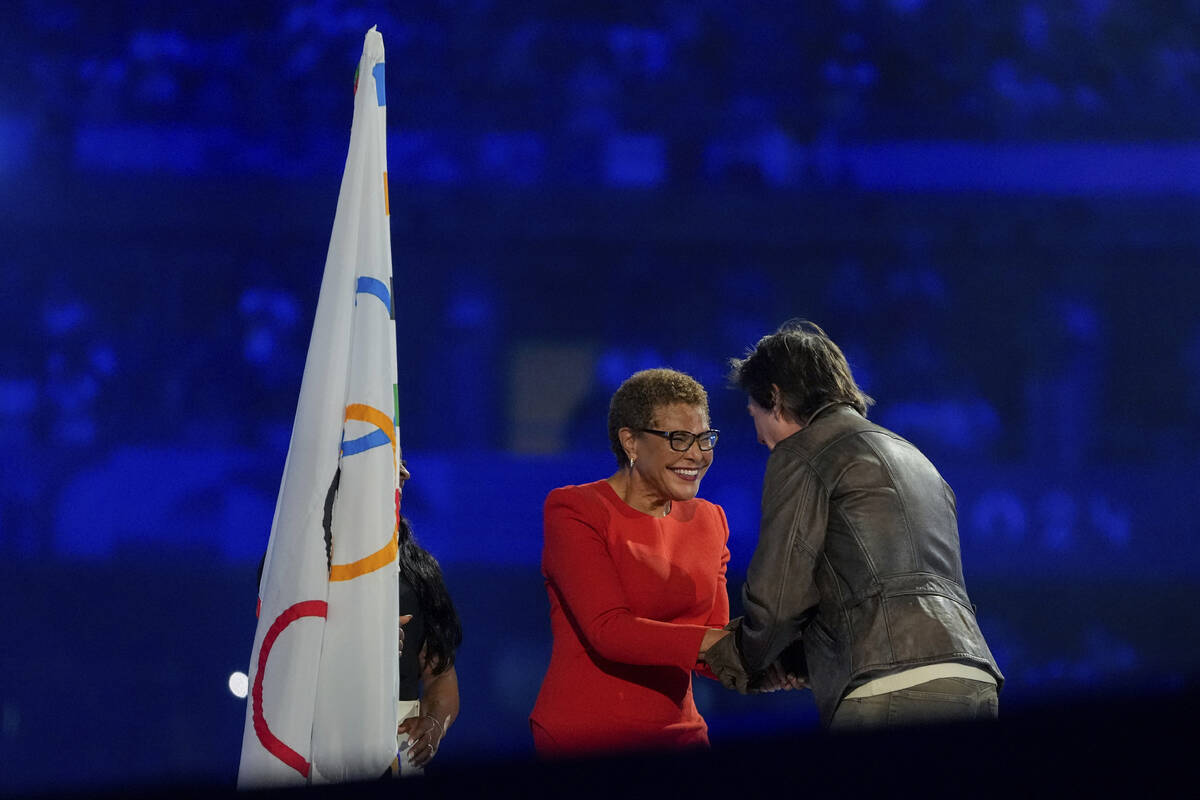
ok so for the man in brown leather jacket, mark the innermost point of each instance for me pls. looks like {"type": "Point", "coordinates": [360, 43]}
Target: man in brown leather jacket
{"type": "Point", "coordinates": [856, 584]}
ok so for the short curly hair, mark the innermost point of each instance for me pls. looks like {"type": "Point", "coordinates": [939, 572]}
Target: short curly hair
{"type": "Point", "coordinates": [642, 394]}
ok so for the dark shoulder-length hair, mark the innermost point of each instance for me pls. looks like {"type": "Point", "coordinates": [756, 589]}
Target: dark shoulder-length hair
{"type": "Point", "coordinates": [807, 366]}
{"type": "Point", "coordinates": [420, 570]}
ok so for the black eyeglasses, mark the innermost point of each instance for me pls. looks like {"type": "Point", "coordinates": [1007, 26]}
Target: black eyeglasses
{"type": "Point", "coordinates": [682, 440]}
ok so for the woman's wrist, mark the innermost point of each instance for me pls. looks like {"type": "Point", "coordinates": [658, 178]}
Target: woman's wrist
{"type": "Point", "coordinates": [711, 637]}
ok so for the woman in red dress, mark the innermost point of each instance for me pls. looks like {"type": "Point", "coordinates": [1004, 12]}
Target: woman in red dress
{"type": "Point", "coordinates": [635, 572]}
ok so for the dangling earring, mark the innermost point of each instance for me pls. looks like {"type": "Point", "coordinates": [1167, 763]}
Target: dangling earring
{"type": "Point", "coordinates": [632, 459]}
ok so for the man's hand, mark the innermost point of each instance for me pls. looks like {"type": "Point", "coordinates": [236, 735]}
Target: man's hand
{"type": "Point", "coordinates": [725, 661]}
{"type": "Point", "coordinates": [776, 678]}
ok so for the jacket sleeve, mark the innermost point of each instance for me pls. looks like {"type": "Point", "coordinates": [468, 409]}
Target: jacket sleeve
{"type": "Point", "coordinates": [579, 567]}
{"type": "Point", "coordinates": [719, 617]}
{"type": "Point", "coordinates": [780, 592]}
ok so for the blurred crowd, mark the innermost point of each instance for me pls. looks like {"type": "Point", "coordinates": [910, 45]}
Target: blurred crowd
{"type": "Point", "coordinates": [619, 93]}
{"type": "Point", "coordinates": [1019, 359]}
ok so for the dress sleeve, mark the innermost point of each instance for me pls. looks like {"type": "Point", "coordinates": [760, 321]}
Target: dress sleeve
{"type": "Point", "coordinates": [719, 617]}
{"type": "Point", "coordinates": [780, 591]}
{"type": "Point", "coordinates": [577, 563]}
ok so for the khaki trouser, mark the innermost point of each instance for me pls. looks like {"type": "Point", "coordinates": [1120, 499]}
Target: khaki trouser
{"type": "Point", "coordinates": [938, 701]}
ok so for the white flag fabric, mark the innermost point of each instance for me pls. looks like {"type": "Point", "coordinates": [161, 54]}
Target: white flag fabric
{"type": "Point", "coordinates": [322, 703]}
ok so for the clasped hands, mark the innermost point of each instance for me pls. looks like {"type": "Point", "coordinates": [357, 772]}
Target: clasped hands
{"type": "Point", "coordinates": [774, 678]}
{"type": "Point", "coordinates": [719, 650]}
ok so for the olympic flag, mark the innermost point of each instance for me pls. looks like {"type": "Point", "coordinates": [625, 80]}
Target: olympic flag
{"type": "Point", "coordinates": [322, 705]}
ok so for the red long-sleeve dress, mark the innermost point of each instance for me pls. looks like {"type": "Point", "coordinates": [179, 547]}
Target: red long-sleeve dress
{"type": "Point", "coordinates": [631, 596]}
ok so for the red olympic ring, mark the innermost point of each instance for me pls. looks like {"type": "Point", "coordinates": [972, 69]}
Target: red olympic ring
{"type": "Point", "coordinates": [274, 746]}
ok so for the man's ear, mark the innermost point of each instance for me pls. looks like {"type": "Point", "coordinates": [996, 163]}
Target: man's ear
{"type": "Point", "coordinates": [777, 409]}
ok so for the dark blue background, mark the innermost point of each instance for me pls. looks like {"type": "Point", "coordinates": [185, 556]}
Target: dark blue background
{"type": "Point", "coordinates": [993, 207]}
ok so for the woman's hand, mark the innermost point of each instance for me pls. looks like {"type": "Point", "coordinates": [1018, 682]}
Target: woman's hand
{"type": "Point", "coordinates": [424, 737]}
{"type": "Point", "coordinates": [404, 620]}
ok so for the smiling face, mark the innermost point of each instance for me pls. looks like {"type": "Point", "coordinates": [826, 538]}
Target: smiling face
{"type": "Point", "coordinates": [659, 472]}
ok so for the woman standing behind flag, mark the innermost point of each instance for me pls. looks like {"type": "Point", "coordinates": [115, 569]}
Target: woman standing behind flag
{"type": "Point", "coordinates": [430, 633]}
{"type": "Point", "coordinates": [428, 695]}
{"type": "Point", "coordinates": [635, 572]}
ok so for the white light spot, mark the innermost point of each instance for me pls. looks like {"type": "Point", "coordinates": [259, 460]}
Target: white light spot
{"type": "Point", "coordinates": [239, 683]}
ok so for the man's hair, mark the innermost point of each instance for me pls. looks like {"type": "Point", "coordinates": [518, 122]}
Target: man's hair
{"type": "Point", "coordinates": [642, 394]}
{"type": "Point", "coordinates": [805, 364]}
